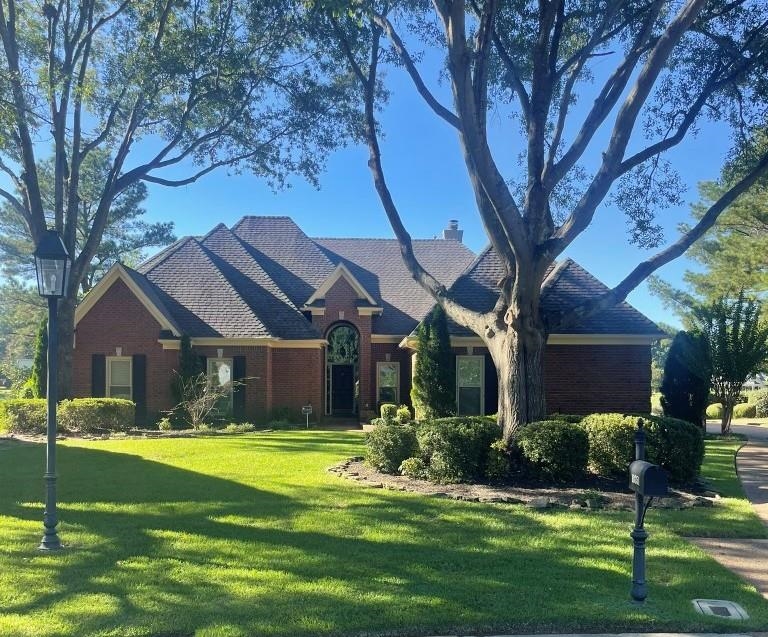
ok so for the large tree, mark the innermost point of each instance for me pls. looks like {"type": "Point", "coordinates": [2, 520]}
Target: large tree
{"type": "Point", "coordinates": [592, 94]}
{"type": "Point", "coordinates": [166, 91]}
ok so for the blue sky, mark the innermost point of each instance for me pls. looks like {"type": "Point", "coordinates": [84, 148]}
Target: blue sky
{"type": "Point", "coordinates": [429, 183]}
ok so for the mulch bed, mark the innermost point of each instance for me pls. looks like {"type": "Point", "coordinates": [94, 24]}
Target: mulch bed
{"type": "Point", "coordinates": [601, 495]}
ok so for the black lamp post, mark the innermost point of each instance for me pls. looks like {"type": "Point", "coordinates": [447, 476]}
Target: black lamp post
{"type": "Point", "coordinates": [52, 265]}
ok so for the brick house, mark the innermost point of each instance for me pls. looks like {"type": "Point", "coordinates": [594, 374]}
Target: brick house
{"type": "Point", "coordinates": [330, 322]}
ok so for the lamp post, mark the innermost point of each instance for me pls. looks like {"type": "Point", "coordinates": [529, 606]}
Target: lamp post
{"type": "Point", "coordinates": [52, 265]}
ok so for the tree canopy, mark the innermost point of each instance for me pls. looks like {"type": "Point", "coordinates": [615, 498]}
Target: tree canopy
{"type": "Point", "coordinates": [592, 95]}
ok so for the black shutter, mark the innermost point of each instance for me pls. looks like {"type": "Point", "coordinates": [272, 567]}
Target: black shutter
{"type": "Point", "coordinates": [98, 375]}
{"type": "Point", "coordinates": [139, 382]}
{"type": "Point", "coordinates": [491, 386]}
{"type": "Point", "coordinates": [238, 393]}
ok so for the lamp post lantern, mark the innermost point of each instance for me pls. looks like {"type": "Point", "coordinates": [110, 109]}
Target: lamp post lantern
{"type": "Point", "coordinates": [52, 265]}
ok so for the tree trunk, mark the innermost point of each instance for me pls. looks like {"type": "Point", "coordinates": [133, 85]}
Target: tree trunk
{"type": "Point", "coordinates": [66, 315]}
{"type": "Point", "coordinates": [725, 423]}
{"type": "Point", "coordinates": [519, 360]}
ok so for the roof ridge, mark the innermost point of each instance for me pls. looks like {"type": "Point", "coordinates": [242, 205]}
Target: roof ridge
{"type": "Point", "coordinates": [157, 259]}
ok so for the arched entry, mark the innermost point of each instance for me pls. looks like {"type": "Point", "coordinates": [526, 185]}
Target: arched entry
{"type": "Point", "coordinates": [342, 370]}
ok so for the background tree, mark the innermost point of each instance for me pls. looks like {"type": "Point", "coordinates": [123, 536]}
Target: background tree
{"type": "Point", "coordinates": [687, 377]}
{"type": "Point", "coordinates": [126, 235]}
{"type": "Point", "coordinates": [21, 310]}
{"type": "Point", "coordinates": [38, 380]}
{"type": "Point", "coordinates": [521, 66]}
{"type": "Point", "coordinates": [192, 86]}
{"type": "Point", "coordinates": [737, 345]}
{"type": "Point", "coordinates": [659, 352]}
{"type": "Point", "coordinates": [433, 393]}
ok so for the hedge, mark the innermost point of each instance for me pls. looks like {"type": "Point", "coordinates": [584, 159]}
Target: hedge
{"type": "Point", "coordinates": [456, 449]}
{"type": "Point", "coordinates": [79, 415]}
{"type": "Point", "coordinates": [677, 446]}
{"type": "Point", "coordinates": [761, 404]}
{"type": "Point", "coordinates": [744, 410]}
{"type": "Point", "coordinates": [388, 444]}
{"type": "Point", "coordinates": [715, 411]}
{"type": "Point", "coordinates": [554, 450]}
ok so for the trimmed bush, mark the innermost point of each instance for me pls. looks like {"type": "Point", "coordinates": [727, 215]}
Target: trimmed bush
{"type": "Point", "coordinates": [555, 450]}
{"type": "Point", "coordinates": [572, 418]}
{"type": "Point", "coordinates": [761, 404]}
{"type": "Point", "coordinates": [744, 410]}
{"type": "Point", "coordinates": [456, 449]}
{"type": "Point", "coordinates": [414, 468]}
{"type": "Point", "coordinates": [499, 467]}
{"type": "Point", "coordinates": [86, 415]}
{"type": "Point", "coordinates": [389, 444]}
{"type": "Point", "coordinates": [388, 412]}
{"type": "Point", "coordinates": [676, 445]}
{"type": "Point", "coordinates": [715, 411]}
{"type": "Point", "coordinates": [239, 428]}
{"type": "Point", "coordinates": [23, 415]}
{"type": "Point", "coordinates": [165, 424]}
{"type": "Point", "coordinates": [403, 414]}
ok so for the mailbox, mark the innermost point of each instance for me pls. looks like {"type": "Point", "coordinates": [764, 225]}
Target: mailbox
{"type": "Point", "coordinates": [647, 479]}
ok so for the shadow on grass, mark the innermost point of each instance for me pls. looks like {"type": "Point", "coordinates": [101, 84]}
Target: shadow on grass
{"type": "Point", "coordinates": [157, 549]}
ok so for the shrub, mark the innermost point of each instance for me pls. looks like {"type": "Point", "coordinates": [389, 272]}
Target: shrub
{"type": "Point", "coordinates": [388, 412]}
{"type": "Point", "coordinates": [239, 428]}
{"type": "Point", "coordinates": [165, 424]}
{"type": "Point", "coordinates": [86, 415]}
{"type": "Point", "coordinates": [715, 410]}
{"type": "Point", "coordinates": [555, 450]}
{"type": "Point", "coordinates": [403, 414]}
{"type": "Point", "coordinates": [414, 468]}
{"type": "Point", "coordinates": [23, 415]}
{"type": "Point", "coordinates": [388, 444]}
{"type": "Point", "coordinates": [498, 468]}
{"type": "Point", "coordinates": [761, 404]}
{"type": "Point", "coordinates": [456, 449]}
{"type": "Point", "coordinates": [676, 445]}
{"type": "Point", "coordinates": [744, 410]}
{"type": "Point", "coordinates": [572, 418]}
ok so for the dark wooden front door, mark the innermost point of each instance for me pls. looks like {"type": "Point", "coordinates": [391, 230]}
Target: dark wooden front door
{"type": "Point", "coordinates": [342, 389]}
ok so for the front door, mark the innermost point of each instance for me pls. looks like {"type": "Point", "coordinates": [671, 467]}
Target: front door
{"type": "Point", "coordinates": [342, 389]}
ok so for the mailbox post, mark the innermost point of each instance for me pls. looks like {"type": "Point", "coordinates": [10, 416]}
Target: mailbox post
{"type": "Point", "coordinates": [307, 410]}
{"type": "Point", "coordinates": [645, 479]}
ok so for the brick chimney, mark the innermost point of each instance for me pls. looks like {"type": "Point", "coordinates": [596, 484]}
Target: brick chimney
{"type": "Point", "coordinates": [452, 232]}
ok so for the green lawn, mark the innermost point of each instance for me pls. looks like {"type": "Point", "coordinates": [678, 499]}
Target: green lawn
{"type": "Point", "coordinates": [249, 535]}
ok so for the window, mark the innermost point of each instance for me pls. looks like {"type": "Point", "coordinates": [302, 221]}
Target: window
{"type": "Point", "coordinates": [388, 382]}
{"type": "Point", "coordinates": [470, 394]}
{"type": "Point", "coordinates": [220, 375]}
{"type": "Point", "coordinates": [119, 377]}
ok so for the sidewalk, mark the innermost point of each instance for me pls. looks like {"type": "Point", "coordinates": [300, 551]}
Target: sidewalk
{"type": "Point", "coordinates": [747, 558]}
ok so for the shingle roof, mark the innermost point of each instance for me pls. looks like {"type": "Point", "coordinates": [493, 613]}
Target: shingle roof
{"type": "Point", "coordinates": [378, 266]}
{"type": "Point", "coordinates": [566, 285]}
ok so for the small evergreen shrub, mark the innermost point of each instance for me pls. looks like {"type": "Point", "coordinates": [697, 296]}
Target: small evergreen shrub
{"type": "Point", "coordinates": [239, 428]}
{"type": "Point", "coordinates": [555, 450]}
{"type": "Point", "coordinates": [86, 415]}
{"type": "Point", "coordinates": [414, 468]}
{"type": "Point", "coordinates": [388, 444]}
{"type": "Point", "coordinates": [403, 414]}
{"type": "Point", "coordinates": [572, 418]}
{"type": "Point", "coordinates": [715, 411]}
{"type": "Point", "coordinates": [388, 412]}
{"type": "Point", "coordinates": [456, 449]}
{"type": "Point", "coordinates": [23, 415]}
{"type": "Point", "coordinates": [676, 445]}
{"type": "Point", "coordinates": [165, 424]}
{"type": "Point", "coordinates": [745, 410]}
{"type": "Point", "coordinates": [761, 404]}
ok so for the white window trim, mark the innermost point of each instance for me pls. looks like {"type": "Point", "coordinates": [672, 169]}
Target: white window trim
{"type": "Point", "coordinates": [110, 360]}
{"type": "Point", "coordinates": [482, 381]}
{"type": "Point", "coordinates": [230, 361]}
{"type": "Point", "coordinates": [397, 381]}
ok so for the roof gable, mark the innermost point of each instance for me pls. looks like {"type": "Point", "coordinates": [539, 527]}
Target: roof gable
{"type": "Point", "coordinates": [341, 272]}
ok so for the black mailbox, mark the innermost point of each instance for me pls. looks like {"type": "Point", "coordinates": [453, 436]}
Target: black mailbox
{"type": "Point", "coordinates": [647, 479]}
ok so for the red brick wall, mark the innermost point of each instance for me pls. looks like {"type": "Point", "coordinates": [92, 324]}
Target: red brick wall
{"type": "Point", "coordinates": [119, 319]}
{"type": "Point", "coordinates": [297, 379]}
{"type": "Point", "coordinates": [342, 298]}
{"type": "Point", "coordinates": [581, 379]}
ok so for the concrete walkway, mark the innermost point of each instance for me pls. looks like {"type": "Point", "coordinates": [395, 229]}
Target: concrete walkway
{"type": "Point", "coordinates": [746, 558]}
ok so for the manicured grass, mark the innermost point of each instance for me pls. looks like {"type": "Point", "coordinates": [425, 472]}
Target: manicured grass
{"type": "Point", "coordinates": [250, 535]}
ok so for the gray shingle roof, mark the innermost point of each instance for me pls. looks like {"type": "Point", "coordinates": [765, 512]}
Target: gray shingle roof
{"type": "Point", "coordinates": [378, 266]}
{"type": "Point", "coordinates": [567, 285]}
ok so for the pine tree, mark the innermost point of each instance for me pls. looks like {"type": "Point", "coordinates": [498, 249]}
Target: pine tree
{"type": "Point", "coordinates": [39, 378]}
{"type": "Point", "coordinates": [686, 382]}
{"type": "Point", "coordinates": [434, 380]}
